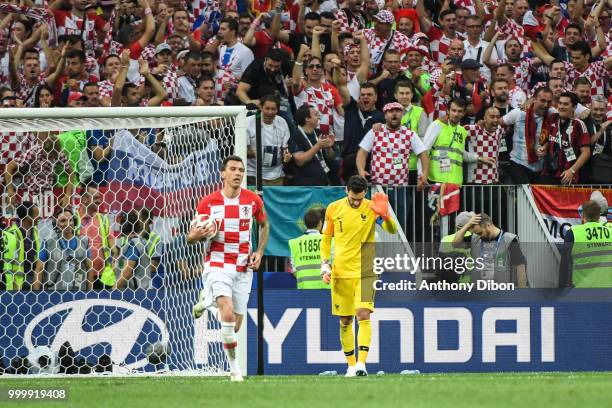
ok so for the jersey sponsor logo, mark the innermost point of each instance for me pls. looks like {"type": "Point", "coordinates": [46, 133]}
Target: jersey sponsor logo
{"type": "Point", "coordinates": [126, 327]}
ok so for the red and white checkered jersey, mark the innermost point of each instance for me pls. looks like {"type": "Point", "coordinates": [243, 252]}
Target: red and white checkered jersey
{"type": "Point", "coordinates": [12, 144]}
{"type": "Point", "coordinates": [40, 175]}
{"type": "Point", "coordinates": [512, 29]}
{"type": "Point", "coordinates": [229, 250]}
{"type": "Point", "coordinates": [484, 144]}
{"type": "Point", "coordinates": [522, 71]}
{"type": "Point", "coordinates": [225, 81]}
{"type": "Point", "coordinates": [324, 100]}
{"type": "Point", "coordinates": [439, 43]}
{"type": "Point", "coordinates": [597, 74]}
{"type": "Point", "coordinates": [4, 70]}
{"type": "Point", "coordinates": [377, 45]}
{"type": "Point", "coordinates": [356, 22]}
{"type": "Point", "coordinates": [170, 84]}
{"type": "Point", "coordinates": [87, 28]}
{"type": "Point", "coordinates": [106, 88]}
{"type": "Point", "coordinates": [390, 155]}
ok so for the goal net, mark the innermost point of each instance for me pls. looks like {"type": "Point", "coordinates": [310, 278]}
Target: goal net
{"type": "Point", "coordinates": [109, 285]}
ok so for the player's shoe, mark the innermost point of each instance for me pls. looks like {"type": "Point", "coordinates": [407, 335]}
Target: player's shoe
{"type": "Point", "coordinates": [236, 377]}
{"type": "Point", "coordinates": [360, 370]}
{"type": "Point", "coordinates": [351, 371]}
{"type": "Point", "coordinates": [199, 308]}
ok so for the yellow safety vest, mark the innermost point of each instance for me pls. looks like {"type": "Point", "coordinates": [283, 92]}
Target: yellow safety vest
{"type": "Point", "coordinates": [306, 257]}
{"type": "Point", "coordinates": [411, 121]}
{"type": "Point", "coordinates": [14, 271]}
{"type": "Point", "coordinates": [449, 146]}
{"type": "Point", "coordinates": [108, 276]}
{"type": "Point", "coordinates": [592, 255]}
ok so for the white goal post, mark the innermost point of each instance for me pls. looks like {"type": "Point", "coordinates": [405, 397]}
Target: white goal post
{"type": "Point", "coordinates": [143, 169]}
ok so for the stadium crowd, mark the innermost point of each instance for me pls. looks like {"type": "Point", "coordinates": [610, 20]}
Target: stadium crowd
{"type": "Point", "coordinates": [405, 92]}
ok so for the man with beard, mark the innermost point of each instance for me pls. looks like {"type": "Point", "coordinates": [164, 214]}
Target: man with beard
{"type": "Point", "coordinates": [512, 27]}
{"type": "Point", "coordinates": [483, 148]}
{"type": "Point", "coordinates": [359, 116]}
{"type": "Point", "coordinates": [296, 39]}
{"type": "Point", "coordinates": [516, 95]}
{"type": "Point", "coordinates": [529, 134]}
{"type": "Point", "coordinates": [601, 140]}
{"type": "Point", "coordinates": [192, 69]}
{"type": "Point", "coordinates": [390, 148]}
{"type": "Point", "coordinates": [523, 67]}
{"type": "Point", "coordinates": [417, 71]}
{"type": "Point", "coordinates": [76, 78]}
{"type": "Point", "coordinates": [567, 147]}
{"type": "Point", "coordinates": [352, 17]}
{"type": "Point", "coordinates": [388, 78]}
{"type": "Point", "coordinates": [264, 77]}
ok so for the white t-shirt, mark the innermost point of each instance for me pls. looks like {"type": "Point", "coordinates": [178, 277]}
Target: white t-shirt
{"type": "Point", "coordinates": [274, 138]}
{"type": "Point", "coordinates": [235, 59]}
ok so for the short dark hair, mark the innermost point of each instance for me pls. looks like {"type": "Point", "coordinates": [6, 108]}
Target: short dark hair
{"type": "Point", "coordinates": [369, 85]}
{"type": "Point", "coordinates": [275, 54]}
{"type": "Point", "coordinates": [194, 55]}
{"type": "Point", "coordinates": [573, 25]}
{"type": "Point", "coordinates": [207, 55]}
{"type": "Point", "coordinates": [357, 184]}
{"type": "Point", "coordinates": [312, 218]}
{"type": "Point", "coordinates": [109, 56]}
{"type": "Point", "coordinates": [572, 96]}
{"type": "Point", "coordinates": [204, 78]}
{"type": "Point", "coordinates": [228, 159]}
{"type": "Point", "coordinates": [328, 15]}
{"type": "Point", "coordinates": [591, 210]}
{"type": "Point", "coordinates": [582, 81]}
{"type": "Point", "coordinates": [127, 87]}
{"type": "Point", "coordinates": [495, 81]}
{"type": "Point", "coordinates": [507, 65]}
{"type": "Point", "coordinates": [581, 46]}
{"type": "Point", "coordinates": [231, 24]}
{"type": "Point", "coordinates": [312, 16]}
{"type": "Point", "coordinates": [25, 209]}
{"type": "Point", "coordinates": [76, 54]}
{"type": "Point", "coordinates": [557, 61]}
{"type": "Point", "coordinates": [404, 83]}
{"type": "Point", "coordinates": [391, 51]}
{"type": "Point", "coordinates": [269, 98]}
{"type": "Point", "coordinates": [460, 102]}
{"type": "Point", "coordinates": [445, 13]}
{"type": "Point", "coordinates": [538, 91]}
{"type": "Point", "coordinates": [302, 113]}
{"type": "Point", "coordinates": [90, 84]}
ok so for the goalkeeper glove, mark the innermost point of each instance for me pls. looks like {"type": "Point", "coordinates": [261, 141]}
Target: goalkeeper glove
{"type": "Point", "coordinates": [380, 205]}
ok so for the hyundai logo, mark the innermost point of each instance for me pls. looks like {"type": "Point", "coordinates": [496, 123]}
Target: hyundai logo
{"type": "Point", "coordinates": [122, 335]}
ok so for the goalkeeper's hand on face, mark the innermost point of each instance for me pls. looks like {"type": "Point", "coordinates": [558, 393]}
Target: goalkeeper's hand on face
{"type": "Point", "coordinates": [326, 273]}
{"type": "Point", "coordinates": [380, 205]}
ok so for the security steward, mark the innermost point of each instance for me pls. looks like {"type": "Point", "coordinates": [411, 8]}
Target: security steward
{"type": "Point", "coordinates": [306, 253]}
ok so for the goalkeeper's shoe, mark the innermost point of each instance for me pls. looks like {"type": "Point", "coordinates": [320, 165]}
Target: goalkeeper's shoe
{"type": "Point", "coordinates": [360, 370]}
{"type": "Point", "coordinates": [351, 371]}
{"type": "Point", "coordinates": [199, 308]}
{"type": "Point", "coordinates": [236, 377]}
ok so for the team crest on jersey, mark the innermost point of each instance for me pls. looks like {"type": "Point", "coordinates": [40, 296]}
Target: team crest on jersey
{"type": "Point", "coordinates": [246, 211]}
{"type": "Point", "coordinates": [364, 217]}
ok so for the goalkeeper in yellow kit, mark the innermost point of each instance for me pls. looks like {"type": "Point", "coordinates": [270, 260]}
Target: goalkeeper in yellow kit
{"type": "Point", "coordinates": [351, 222]}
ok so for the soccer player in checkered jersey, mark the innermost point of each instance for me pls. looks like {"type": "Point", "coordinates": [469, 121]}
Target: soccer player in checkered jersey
{"type": "Point", "coordinates": [351, 223]}
{"type": "Point", "coordinates": [229, 260]}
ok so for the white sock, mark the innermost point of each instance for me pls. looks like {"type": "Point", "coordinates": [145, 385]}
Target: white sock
{"type": "Point", "coordinates": [229, 345]}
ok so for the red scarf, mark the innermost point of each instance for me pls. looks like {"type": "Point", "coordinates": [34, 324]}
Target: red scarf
{"type": "Point", "coordinates": [530, 134]}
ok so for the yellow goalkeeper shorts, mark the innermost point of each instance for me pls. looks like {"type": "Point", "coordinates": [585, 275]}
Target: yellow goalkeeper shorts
{"type": "Point", "coordinates": [350, 294]}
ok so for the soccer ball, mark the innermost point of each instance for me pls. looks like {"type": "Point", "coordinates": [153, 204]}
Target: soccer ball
{"type": "Point", "coordinates": [157, 353]}
{"type": "Point", "coordinates": [204, 221]}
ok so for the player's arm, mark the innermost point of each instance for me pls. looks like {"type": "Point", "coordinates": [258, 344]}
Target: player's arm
{"type": "Point", "coordinates": [389, 225]}
{"type": "Point", "coordinates": [264, 234]}
{"type": "Point", "coordinates": [327, 235]}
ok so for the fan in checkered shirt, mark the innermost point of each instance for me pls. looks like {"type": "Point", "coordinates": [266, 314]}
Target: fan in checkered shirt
{"type": "Point", "coordinates": [229, 259]}
{"type": "Point", "coordinates": [483, 148]}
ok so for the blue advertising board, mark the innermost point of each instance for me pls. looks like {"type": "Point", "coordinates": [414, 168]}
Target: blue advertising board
{"type": "Point", "coordinates": [437, 332]}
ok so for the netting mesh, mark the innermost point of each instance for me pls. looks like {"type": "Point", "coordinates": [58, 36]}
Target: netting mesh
{"type": "Point", "coordinates": [97, 275]}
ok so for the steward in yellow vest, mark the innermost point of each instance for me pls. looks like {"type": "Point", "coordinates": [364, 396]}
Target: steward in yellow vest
{"type": "Point", "coordinates": [306, 253]}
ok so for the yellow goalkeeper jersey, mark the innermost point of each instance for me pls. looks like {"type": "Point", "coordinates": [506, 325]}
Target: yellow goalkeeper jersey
{"type": "Point", "coordinates": [350, 228]}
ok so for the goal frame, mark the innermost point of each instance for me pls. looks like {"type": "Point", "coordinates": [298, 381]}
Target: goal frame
{"type": "Point", "coordinates": [37, 117]}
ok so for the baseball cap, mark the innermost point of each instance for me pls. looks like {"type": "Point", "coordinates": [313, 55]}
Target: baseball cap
{"type": "Point", "coordinates": [470, 64]}
{"type": "Point", "coordinates": [393, 105]}
{"type": "Point", "coordinates": [162, 47]}
{"type": "Point", "coordinates": [76, 96]}
{"type": "Point", "coordinates": [385, 16]}
{"type": "Point", "coordinates": [463, 218]}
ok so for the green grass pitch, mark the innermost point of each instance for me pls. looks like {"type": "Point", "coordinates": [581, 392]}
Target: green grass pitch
{"type": "Point", "coordinates": [516, 390]}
